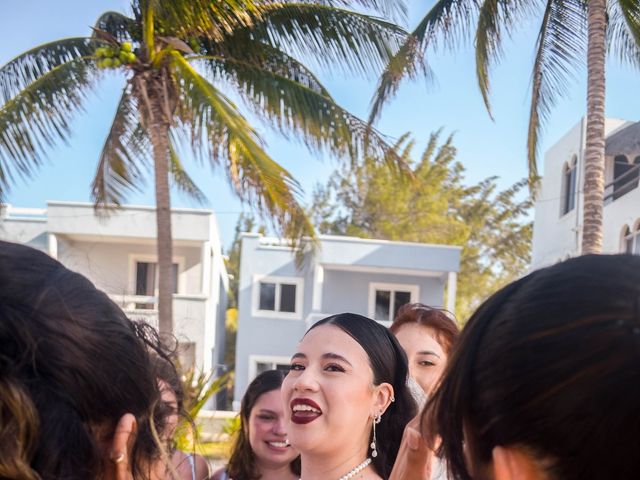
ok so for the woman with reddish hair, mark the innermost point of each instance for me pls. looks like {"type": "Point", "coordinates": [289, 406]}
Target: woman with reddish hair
{"type": "Point", "coordinates": [427, 336]}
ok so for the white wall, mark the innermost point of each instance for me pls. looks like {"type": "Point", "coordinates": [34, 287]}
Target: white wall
{"type": "Point", "coordinates": [556, 236]}
{"type": "Point", "coordinates": [110, 265]}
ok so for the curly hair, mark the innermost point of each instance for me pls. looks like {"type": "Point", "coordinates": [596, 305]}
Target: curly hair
{"type": "Point", "coordinates": [71, 365]}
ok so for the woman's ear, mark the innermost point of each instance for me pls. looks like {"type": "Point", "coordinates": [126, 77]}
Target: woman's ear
{"type": "Point", "coordinates": [119, 460]}
{"type": "Point", "coordinates": [383, 398]}
{"type": "Point", "coordinates": [513, 463]}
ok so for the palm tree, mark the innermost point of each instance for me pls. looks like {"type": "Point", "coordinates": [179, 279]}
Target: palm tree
{"type": "Point", "coordinates": [570, 32]}
{"type": "Point", "coordinates": [177, 56]}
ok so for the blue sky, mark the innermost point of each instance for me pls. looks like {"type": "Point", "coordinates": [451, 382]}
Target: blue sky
{"type": "Point", "coordinates": [453, 103]}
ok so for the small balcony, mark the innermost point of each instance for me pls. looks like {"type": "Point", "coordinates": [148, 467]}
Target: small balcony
{"type": "Point", "coordinates": [622, 183]}
{"type": "Point", "coordinates": [186, 310]}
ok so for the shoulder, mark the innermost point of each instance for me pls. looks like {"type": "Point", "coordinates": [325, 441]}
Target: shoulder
{"type": "Point", "coordinates": [220, 474]}
{"type": "Point", "coordinates": [201, 468]}
{"type": "Point", "coordinates": [187, 464]}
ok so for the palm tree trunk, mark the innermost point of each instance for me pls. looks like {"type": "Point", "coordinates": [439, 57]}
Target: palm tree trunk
{"type": "Point", "coordinates": [159, 132]}
{"type": "Point", "coordinates": [592, 232]}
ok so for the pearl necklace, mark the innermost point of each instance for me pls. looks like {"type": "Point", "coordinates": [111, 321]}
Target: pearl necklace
{"type": "Point", "coordinates": [355, 471]}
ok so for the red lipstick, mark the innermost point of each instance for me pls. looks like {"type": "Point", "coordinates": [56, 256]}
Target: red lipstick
{"type": "Point", "coordinates": [304, 410]}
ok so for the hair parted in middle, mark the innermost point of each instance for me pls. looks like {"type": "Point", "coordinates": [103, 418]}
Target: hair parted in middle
{"type": "Point", "coordinates": [389, 364]}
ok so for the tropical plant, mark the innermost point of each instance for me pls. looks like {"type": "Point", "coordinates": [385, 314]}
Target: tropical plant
{"type": "Point", "coordinates": [571, 32]}
{"type": "Point", "coordinates": [178, 57]}
{"type": "Point", "coordinates": [435, 206]}
{"type": "Point", "coordinates": [198, 388]}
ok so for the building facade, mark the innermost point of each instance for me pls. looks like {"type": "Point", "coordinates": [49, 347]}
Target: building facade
{"type": "Point", "coordinates": [557, 228]}
{"type": "Point", "coordinates": [279, 301]}
{"type": "Point", "coordinates": [117, 252]}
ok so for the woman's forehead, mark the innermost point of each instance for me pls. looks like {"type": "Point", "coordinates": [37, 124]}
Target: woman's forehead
{"type": "Point", "coordinates": [331, 339]}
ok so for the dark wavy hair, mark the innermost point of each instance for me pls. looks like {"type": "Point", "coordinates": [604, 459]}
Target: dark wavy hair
{"type": "Point", "coordinates": [550, 363]}
{"type": "Point", "coordinates": [242, 463]}
{"type": "Point", "coordinates": [389, 364]}
{"type": "Point", "coordinates": [445, 329]}
{"type": "Point", "coordinates": [71, 364]}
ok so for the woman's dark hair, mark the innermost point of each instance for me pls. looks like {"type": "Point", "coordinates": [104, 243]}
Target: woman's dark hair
{"type": "Point", "coordinates": [166, 371]}
{"type": "Point", "coordinates": [551, 364]}
{"type": "Point", "coordinates": [71, 364]}
{"type": "Point", "coordinates": [242, 463]}
{"type": "Point", "coordinates": [445, 329]}
{"type": "Point", "coordinates": [389, 364]}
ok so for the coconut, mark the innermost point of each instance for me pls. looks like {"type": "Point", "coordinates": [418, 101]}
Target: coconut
{"type": "Point", "coordinates": [126, 46]}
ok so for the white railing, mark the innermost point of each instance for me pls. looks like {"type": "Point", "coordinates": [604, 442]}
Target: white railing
{"type": "Point", "coordinates": [138, 307]}
{"type": "Point", "coordinates": [145, 307]}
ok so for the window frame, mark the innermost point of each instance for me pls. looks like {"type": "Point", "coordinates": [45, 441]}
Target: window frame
{"type": "Point", "coordinates": [631, 235]}
{"type": "Point", "coordinates": [414, 295]}
{"type": "Point", "coordinates": [135, 258]}
{"type": "Point", "coordinates": [278, 280]}
{"type": "Point", "coordinates": [255, 359]}
{"type": "Point", "coordinates": [569, 186]}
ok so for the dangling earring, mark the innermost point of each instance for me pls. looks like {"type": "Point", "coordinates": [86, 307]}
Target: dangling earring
{"type": "Point", "coordinates": [374, 449]}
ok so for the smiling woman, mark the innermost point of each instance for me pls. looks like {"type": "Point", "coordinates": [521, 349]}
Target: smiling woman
{"type": "Point", "coordinates": [347, 399]}
{"type": "Point", "coordinates": [261, 449]}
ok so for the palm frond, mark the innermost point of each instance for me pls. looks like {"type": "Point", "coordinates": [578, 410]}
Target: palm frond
{"type": "Point", "coordinates": [181, 179]}
{"type": "Point", "coordinates": [124, 152]}
{"type": "Point", "coordinates": [560, 49]}
{"type": "Point", "coordinates": [494, 18]}
{"type": "Point", "coordinates": [29, 66]}
{"type": "Point", "coordinates": [268, 58]}
{"type": "Point", "coordinates": [395, 10]}
{"type": "Point", "coordinates": [333, 37]}
{"type": "Point", "coordinates": [221, 134]}
{"type": "Point", "coordinates": [623, 31]}
{"type": "Point", "coordinates": [199, 18]}
{"type": "Point", "coordinates": [294, 108]}
{"type": "Point", "coordinates": [448, 21]}
{"type": "Point", "coordinates": [40, 115]}
{"type": "Point", "coordinates": [406, 63]}
{"type": "Point", "coordinates": [120, 26]}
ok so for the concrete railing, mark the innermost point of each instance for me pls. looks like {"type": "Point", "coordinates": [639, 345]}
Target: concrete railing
{"type": "Point", "coordinates": [144, 307]}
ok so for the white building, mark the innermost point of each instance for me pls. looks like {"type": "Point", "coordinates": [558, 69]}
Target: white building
{"type": "Point", "coordinates": [557, 228]}
{"type": "Point", "coordinates": [118, 254]}
{"type": "Point", "coordinates": [278, 302]}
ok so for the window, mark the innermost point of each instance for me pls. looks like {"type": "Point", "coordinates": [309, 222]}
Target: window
{"type": "Point", "coordinates": [278, 296]}
{"type": "Point", "coordinates": [146, 281]}
{"type": "Point", "coordinates": [264, 366]}
{"type": "Point", "coordinates": [262, 363]}
{"type": "Point", "coordinates": [386, 299]}
{"type": "Point", "coordinates": [569, 186]}
{"type": "Point", "coordinates": [625, 175]}
{"type": "Point", "coordinates": [631, 240]}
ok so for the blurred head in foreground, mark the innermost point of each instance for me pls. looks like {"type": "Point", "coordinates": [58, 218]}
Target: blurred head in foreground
{"type": "Point", "coordinates": [71, 366]}
{"type": "Point", "coordinates": [545, 380]}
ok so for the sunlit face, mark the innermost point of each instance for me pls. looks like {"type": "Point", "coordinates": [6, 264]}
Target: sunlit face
{"type": "Point", "coordinates": [426, 357]}
{"type": "Point", "coordinates": [329, 394]}
{"type": "Point", "coordinates": [168, 397]}
{"type": "Point", "coordinates": [268, 431]}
